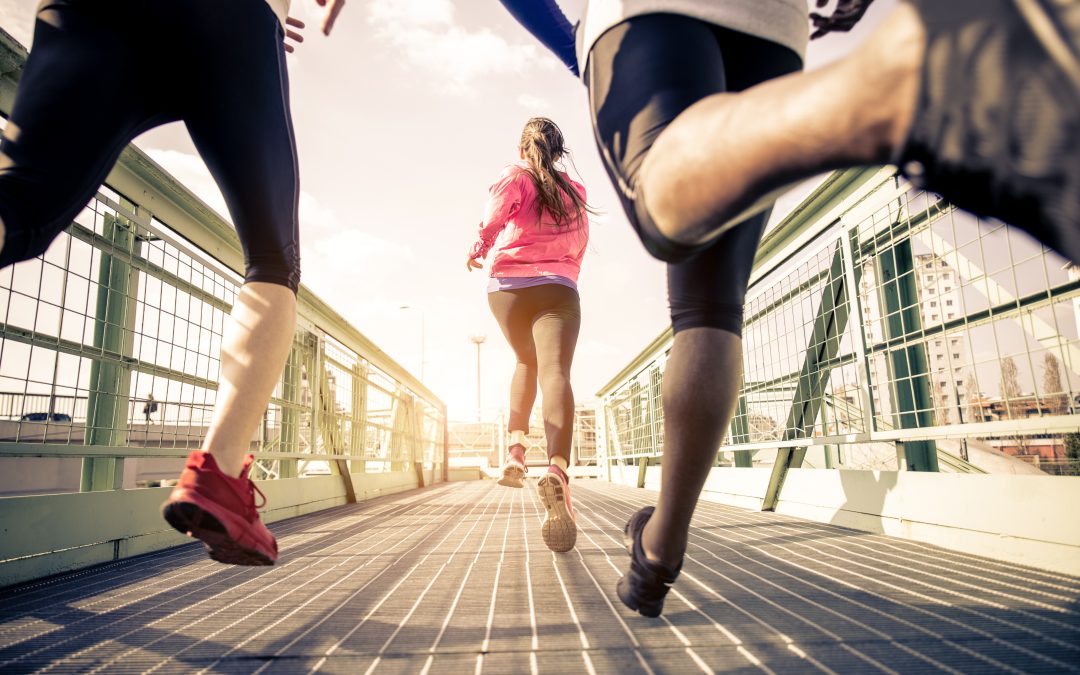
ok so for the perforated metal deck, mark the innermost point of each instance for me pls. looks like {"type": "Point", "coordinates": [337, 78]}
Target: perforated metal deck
{"type": "Point", "coordinates": [455, 579]}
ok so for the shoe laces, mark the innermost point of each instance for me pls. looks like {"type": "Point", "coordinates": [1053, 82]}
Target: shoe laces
{"type": "Point", "coordinates": [253, 508]}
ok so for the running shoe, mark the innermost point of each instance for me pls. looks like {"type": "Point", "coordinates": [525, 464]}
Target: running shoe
{"type": "Point", "coordinates": [514, 470]}
{"type": "Point", "coordinates": [221, 511]}
{"type": "Point", "coordinates": [559, 530]}
{"type": "Point", "coordinates": [996, 129]}
{"type": "Point", "coordinates": [643, 588]}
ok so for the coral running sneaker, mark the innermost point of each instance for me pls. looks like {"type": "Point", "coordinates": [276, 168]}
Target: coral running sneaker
{"type": "Point", "coordinates": [643, 588]}
{"type": "Point", "coordinates": [513, 472]}
{"type": "Point", "coordinates": [559, 530]}
{"type": "Point", "coordinates": [221, 511]}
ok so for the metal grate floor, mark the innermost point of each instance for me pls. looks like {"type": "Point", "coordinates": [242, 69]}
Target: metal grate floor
{"type": "Point", "coordinates": [455, 579]}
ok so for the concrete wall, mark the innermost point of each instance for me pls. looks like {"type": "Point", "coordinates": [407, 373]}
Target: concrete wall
{"type": "Point", "coordinates": [1028, 520]}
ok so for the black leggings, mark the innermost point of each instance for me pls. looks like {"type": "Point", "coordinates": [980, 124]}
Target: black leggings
{"type": "Point", "coordinates": [103, 71]}
{"type": "Point", "coordinates": [541, 324]}
{"type": "Point", "coordinates": [641, 75]}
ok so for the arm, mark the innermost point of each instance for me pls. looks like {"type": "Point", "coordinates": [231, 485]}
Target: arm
{"type": "Point", "coordinates": [503, 202]}
{"type": "Point", "coordinates": [549, 25]}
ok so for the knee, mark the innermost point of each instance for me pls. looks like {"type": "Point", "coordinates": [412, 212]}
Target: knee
{"type": "Point", "coordinates": [658, 241]}
{"type": "Point", "coordinates": [281, 267]}
{"type": "Point", "coordinates": [703, 313]}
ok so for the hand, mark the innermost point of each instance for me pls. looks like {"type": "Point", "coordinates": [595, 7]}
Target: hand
{"type": "Point", "coordinates": [846, 15]}
{"type": "Point", "coordinates": [293, 35]}
{"type": "Point", "coordinates": [333, 8]}
{"type": "Point", "coordinates": [473, 264]}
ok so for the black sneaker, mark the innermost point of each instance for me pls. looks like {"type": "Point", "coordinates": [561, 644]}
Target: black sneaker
{"type": "Point", "coordinates": [996, 129]}
{"type": "Point", "coordinates": [643, 588]}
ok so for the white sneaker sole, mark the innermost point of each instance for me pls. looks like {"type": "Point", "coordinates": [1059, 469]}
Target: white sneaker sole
{"type": "Point", "coordinates": [513, 476]}
{"type": "Point", "coordinates": [559, 530]}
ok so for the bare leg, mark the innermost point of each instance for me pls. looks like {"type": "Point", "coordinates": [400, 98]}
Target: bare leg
{"type": "Point", "coordinates": [726, 156]}
{"type": "Point", "coordinates": [253, 352]}
{"type": "Point", "coordinates": [701, 386]}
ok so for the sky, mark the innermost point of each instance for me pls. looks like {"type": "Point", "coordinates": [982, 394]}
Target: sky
{"type": "Point", "coordinates": [404, 116]}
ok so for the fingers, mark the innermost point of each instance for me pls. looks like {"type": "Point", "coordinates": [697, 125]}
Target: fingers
{"type": "Point", "coordinates": [295, 23]}
{"type": "Point", "coordinates": [295, 37]}
{"type": "Point", "coordinates": [289, 48]}
{"type": "Point", "coordinates": [333, 8]}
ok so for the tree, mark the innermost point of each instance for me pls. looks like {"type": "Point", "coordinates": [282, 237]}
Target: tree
{"type": "Point", "coordinates": [1072, 446]}
{"type": "Point", "coordinates": [1010, 383]}
{"type": "Point", "coordinates": [971, 390]}
{"type": "Point", "coordinates": [1056, 398]}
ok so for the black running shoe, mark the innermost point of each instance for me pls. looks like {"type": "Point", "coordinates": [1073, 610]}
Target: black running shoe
{"type": "Point", "coordinates": [996, 129]}
{"type": "Point", "coordinates": [643, 588]}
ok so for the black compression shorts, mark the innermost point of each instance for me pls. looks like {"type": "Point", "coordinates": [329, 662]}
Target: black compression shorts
{"type": "Point", "coordinates": [103, 71]}
{"type": "Point", "coordinates": [641, 74]}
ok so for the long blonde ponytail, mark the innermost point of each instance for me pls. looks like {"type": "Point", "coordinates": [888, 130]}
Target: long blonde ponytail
{"type": "Point", "coordinates": [543, 145]}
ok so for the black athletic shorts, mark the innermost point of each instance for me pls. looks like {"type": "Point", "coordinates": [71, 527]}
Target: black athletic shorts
{"type": "Point", "coordinates": [103, 71]}
{"type": "Point", "coordinates": [641, 75]}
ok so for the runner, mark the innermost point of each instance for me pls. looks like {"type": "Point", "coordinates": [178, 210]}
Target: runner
{"type": "Point", "coordinates": [977, 100]}
{"type": "Point", "coordinates": [543, 219]}
{"type": "Point", "coordinates": [100, 73]}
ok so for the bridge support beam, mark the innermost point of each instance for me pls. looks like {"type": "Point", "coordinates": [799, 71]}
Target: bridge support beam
{"type": "Point", "coordinates": [829, 326]}
{"type": "Point", "coordinates": [907, 364]}
{"type": "Point", "coordinates": [114, 336]}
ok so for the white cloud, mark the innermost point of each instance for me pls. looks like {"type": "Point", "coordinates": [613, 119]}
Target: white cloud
{"type": "Point", "coordinates": [337, 260]}
{"type": "Point", "coordinates": [533, 103]}
{"type": "Point", "coordinates": [426, 33]}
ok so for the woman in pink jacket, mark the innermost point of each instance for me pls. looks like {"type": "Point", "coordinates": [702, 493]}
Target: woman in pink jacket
{"type": "Point", "coordinates": [536, 224]}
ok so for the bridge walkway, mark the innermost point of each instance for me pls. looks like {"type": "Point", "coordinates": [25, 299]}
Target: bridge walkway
{"type": "Point", "coordinates": [455, 578]}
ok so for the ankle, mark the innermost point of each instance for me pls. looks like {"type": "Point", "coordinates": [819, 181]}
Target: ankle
{"type": "Point", "coordinates": [559, 462]}
{"type": "Point", "coordinates": [661, 548]}
{"type": "Point", "coordinates": [228, 465]}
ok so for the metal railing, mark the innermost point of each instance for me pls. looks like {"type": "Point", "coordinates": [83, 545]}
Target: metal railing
{"type": "Point", "coordinates": [885, 329]}
{"type": "Point", "coordinates": [109, 357]}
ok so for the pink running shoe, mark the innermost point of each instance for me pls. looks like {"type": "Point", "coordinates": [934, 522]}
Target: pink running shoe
{"type": "Point", "coordinates": [513, 472]}
{"type": "Point", "coordinates": [559, 530]}
{"type": "Point", "coordinates": [221, 511]}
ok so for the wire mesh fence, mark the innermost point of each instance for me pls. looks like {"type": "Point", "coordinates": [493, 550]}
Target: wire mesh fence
{"type": "Point", "coordinates": [111, 339]}
{"type": "Point", "coordinates": [900, 333]}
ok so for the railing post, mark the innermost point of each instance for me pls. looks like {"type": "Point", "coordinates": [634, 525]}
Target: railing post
{"type": "Point", "coordinates": [908, 371]}
{"type": "Point", "coordinates": [740, 433]}
{"type": "Point", "coordinates": [290, 410]}
{"type": "Point", "coordinates": [806, 404]}
{"type": "Point", "coordinates": [358, 437]}
{"type": "Point", "coordinates": [110, 378]}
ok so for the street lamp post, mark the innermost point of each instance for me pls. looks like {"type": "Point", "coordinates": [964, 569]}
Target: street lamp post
{"type": "Point", "coordinates": [478, 340]}
{"type": "Point", "coordinates": [423, 337]}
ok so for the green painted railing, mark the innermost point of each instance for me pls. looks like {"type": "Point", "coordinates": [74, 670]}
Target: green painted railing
{"type": "Point", "coordinates": [109, 366]}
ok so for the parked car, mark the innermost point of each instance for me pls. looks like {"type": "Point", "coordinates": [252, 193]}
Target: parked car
{"type": "Point", "coordinates": [45, 417]}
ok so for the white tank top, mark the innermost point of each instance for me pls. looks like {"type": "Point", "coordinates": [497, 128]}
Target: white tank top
{"type": "Point", "coordinates": [784, 22]}
{"type": "Point", "coordinates": [281, 8]}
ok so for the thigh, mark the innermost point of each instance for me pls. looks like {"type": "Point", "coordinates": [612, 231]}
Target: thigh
{"type": "Point", "coordinates": [514, 312]}
{"type": "Point", "coordinates": [78, 105]}
{"type": "Point", "coordinates": [555, 326]}
{"type": "Point", "coordinates": [241, 123]}
{"type": "Point", "coordinates": [641, 75]}
{"type": "Point", "coordinates": [708, 290]}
